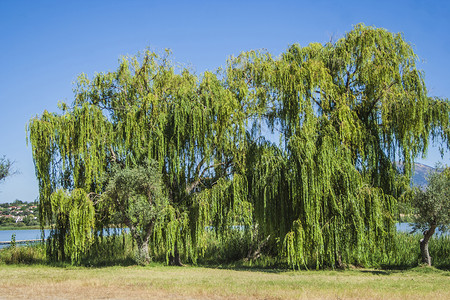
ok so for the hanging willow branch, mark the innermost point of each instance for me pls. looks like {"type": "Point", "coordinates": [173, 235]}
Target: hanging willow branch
{"type": "Point", "coordinates": [145, 111]}
{"type": "Point", "coordinates": [325, 194]}
{"type": "Point", "coordinates": [347, 112]}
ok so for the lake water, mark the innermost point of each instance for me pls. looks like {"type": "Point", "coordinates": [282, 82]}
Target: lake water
{"type": "Point", "coordinates": [32, 234]}
{"type": "Point", "coordinates": [26, 234]}
{"type": "Point", "coordinates": [406, 227]}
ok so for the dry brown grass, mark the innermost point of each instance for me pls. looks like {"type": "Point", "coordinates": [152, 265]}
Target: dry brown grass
{"type": "Point", "coordinates": [158, 282]}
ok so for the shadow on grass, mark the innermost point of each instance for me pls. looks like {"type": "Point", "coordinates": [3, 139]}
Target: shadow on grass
{"type": "Point", "coordinates": [35, 255]}
{"type": "Point", "coordinates": [442, 267]}
{"type": "Point", "coordinates": [123, 262]}
{"type": "Point", "coordinates": [384, 270]}
{"type": "Point", "coordinates": [376, 272]}
{"type": "Point", "coordinates": [271, 270]}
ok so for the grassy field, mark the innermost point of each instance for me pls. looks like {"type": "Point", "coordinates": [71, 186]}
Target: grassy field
{"type": "Point", "coordinates": [162, 282]}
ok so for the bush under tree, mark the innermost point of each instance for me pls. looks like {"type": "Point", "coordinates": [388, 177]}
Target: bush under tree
{"type": "Point", "coordinates": [136, 196]}
{"type": "Point", "coordinates": [432, 208]}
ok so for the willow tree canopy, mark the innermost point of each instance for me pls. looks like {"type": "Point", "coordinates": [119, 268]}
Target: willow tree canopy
{"type": "Point", "coordinates": [345, 112]}
{"type": "Point", "coordinates": [366, 85]}
{"type": "Point", "coordinates": [194, 128]}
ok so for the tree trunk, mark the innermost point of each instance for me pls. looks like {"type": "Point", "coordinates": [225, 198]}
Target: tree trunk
{"type": "Point", "coordinates": [338, 260]}
{"type": "Point", "coordinates": [144, 256]}
{"type": "Point", "coordinates": [142, 240]}
{"type": "Point", "coordinates": [142, 245]}
{"type": "Point", "coordinates": [175, 260]}
{"type": "Point", "coordinates": [426, 258]}
{"type": "Point", "coordinates": [254, 254]}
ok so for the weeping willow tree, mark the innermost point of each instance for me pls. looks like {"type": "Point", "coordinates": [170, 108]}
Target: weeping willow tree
{"type": "Point", "coordinates": [148, 110]}
{"type": "Point", "coordinates": [345, 112]}
{"type": "Point", "coordinates": [325, 195]}
{"type": "Point", "coordinates": [71, 234]}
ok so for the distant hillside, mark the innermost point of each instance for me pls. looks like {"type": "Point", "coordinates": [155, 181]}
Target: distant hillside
{"type": "Point", "coordinates": [421, 172]}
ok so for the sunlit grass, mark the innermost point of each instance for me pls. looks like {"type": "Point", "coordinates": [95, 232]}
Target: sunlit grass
{"type": "Point", "coordinates": [157, 281]}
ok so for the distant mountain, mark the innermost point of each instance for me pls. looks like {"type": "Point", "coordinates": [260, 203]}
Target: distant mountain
{"type": "Point", "coordinates": [421, 172]}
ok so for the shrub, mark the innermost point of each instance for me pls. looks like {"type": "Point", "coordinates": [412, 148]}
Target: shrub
{"type": "Point", "coordinates": [29, 254]}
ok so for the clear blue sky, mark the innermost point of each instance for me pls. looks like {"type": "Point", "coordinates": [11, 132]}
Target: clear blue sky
{"type": "Point", "coordinates": [44, 45]}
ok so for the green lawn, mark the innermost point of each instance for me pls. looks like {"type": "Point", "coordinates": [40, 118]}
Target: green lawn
{"type": "Point", "coordinates": [162, 282]}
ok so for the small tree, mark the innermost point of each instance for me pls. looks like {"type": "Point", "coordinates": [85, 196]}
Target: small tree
{"type": "Point", "coordinates": [432, 207]}
{"type": "Point", "coordinates": [5, 168]}
{"type": "Point", "coordinates": [137, 198]}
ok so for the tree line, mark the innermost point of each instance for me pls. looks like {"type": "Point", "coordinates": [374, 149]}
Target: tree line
{"type": "Point", "coordinates": [299, 151]}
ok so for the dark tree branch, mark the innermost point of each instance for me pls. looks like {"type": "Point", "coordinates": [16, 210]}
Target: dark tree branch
{"type": "Point", "coordinates": [194, 184]}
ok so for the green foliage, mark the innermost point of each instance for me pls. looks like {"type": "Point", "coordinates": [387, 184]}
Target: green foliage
{"type": "Point", "coordinates": [136, 197]}
{"type": "Point", "coordinates": [324, 196]}
{"type": "Point", "coordinates": [29, 254]}
{"type": "Point", "coordinates": [72, 234]}
{"type": "Point", "coordinates": [4, 221]}
{"type": "Point", "coordinates": [18, 202]}
{"type": "Point", "coordinates": [5, 168]}
{"type": "Point", "coordinates": [13, 241]}
{"type": "Point", "coordinates": [346, 111]}
{"type": "Point", "coordinates": [30, 221]}
{"type": "Point", "coordinates": [233, 247]}
{"type": "Point", "coordinates": [193, 128]}
{"type": "Point", "coordinates": [432, 206]}
{"type": "Point", "coordinates": [116, 248]}
{"type": "Point", "coordinates": [406, 252]}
